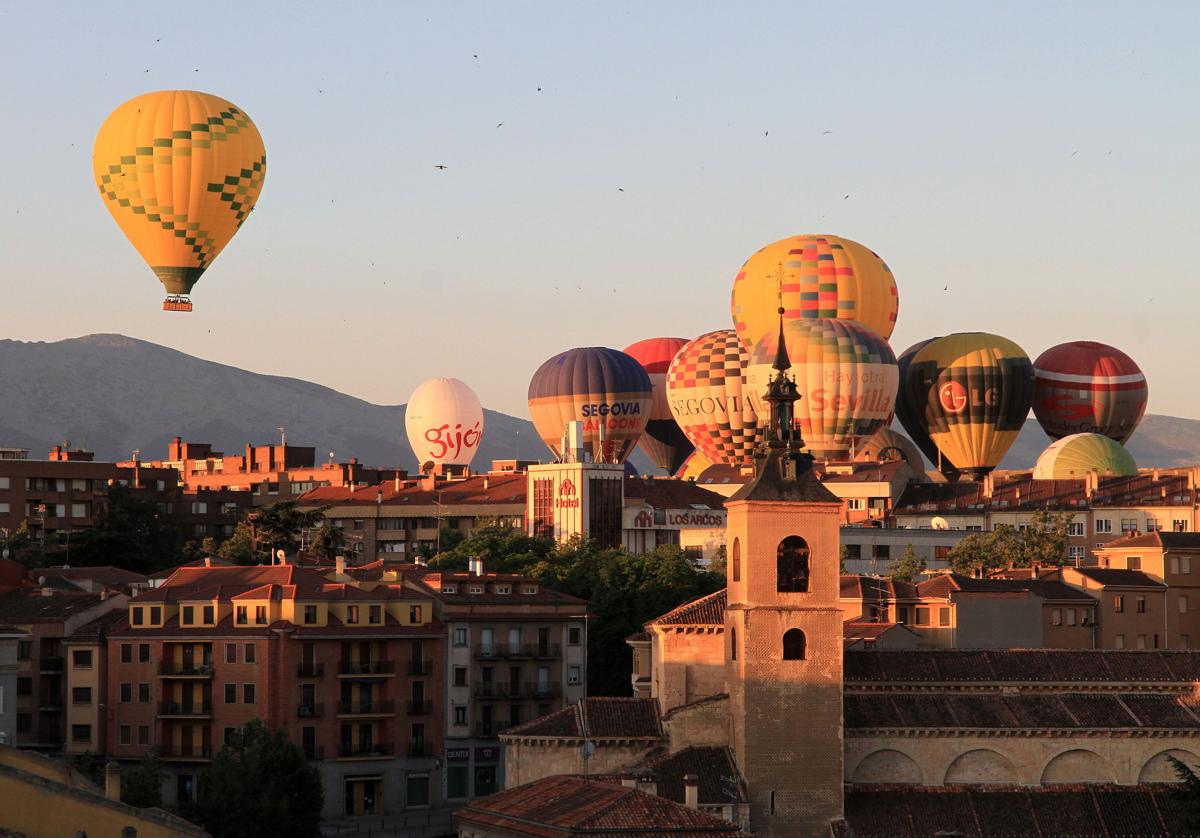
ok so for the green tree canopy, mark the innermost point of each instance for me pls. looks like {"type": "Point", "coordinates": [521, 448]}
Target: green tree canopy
{"type": "Point", "coordinates": [132, 533]}
{"type": "Point", "coordinates": [1042, 542]}
{"type": "Point", "coordinates": [908, 567]}
{"type": "Point", "coordinates": [279, 527]}
{"type": "Point", "coordinates": [141, 786]}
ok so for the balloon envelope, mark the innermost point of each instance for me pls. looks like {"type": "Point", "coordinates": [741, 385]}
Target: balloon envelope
{"type": "Point", "coordinates": [887, 445]}
{"type": "Point", "coordinates": [910, 411]}
{"type": "Point", "coordinates": [664, 441]}
{"type": "Point", "coordinates": [1085, 387]}
{"type": "Point", "coordinates": [444, 422]}
{"type": "Point", "coordinates": [598, 387]}
{"type": "Point", "coordinates": [813, 276]}
{"type": "Point", "coordinates": [971, 393]}
{"type": "Point", "coordinates": [180, 171]}
{"type": "Point", "coordinates": [846, 375]}
{"type": "Point", "coordinates": [706, 388]}
{"type": "Point", "coordinates": [1072, 457]}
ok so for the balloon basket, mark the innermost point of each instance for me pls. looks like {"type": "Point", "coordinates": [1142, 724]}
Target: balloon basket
{"type": "Point", "coordinates": [177, 304]}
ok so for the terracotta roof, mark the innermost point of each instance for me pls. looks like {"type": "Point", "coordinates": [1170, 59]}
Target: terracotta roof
{"type": "Point", "coordinates": [597, 717]}
{"type": "Point", "coordinates": [710, 764]}
{"type": "Point", "coordinates": [945, 584]}
{"type": "Point", "coordinates": [27, 605]}
{"type": "Point", "coordinates": [1120, 577]}
{"type": "Point", "coordinates": [95, 631]}
{"type": "Point", "coordinates": [638, 637]}
{"type": "Point", "coordinates": [1024, 492]}
{"type": "Point", "coordinates": [105, 574]}
{"type": "Point", "coordinates": [569, 806]}
{"type": "Point", "coordinates": [855, 630]}
{"type": "Point", "coordinates": [667, 493]}
{"type": "Point", "coordinates": [708, 610]}
{"type": "Point", "coordinates": [865, 472]}
{"type": "Point", "coordinates": [474, 490]}
{"type": "Point", "coordinates": [1158, 538]}
{"type": "Point", "coordinates": [167, 572]}
{"type": "Point", "coordinates": [1017, 665]}
{"type": "Point", "coordinates": [770, 484]}
{"type": "Point", "coordinates": [857, 586]}
{"type": "Point", "coordinates": [1094, 811]}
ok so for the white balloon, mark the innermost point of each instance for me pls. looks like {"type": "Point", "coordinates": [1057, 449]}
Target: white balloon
{"type": "Point", "coordinates": [444, 421]}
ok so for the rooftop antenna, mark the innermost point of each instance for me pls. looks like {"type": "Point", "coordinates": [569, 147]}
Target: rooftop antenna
{"type": "Point", "coordinates": [331, 457]}
{"type": "Point", "coordinates": [282, 436]}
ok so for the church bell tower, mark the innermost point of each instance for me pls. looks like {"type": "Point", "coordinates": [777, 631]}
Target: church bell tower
{"type": "Point", "coordinates": [783, 630]}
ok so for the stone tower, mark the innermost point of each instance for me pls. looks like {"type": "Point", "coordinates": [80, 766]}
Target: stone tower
{"type": "Point", "coordinates": [783, 631]}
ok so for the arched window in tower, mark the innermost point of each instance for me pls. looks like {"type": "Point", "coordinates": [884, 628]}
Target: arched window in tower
{"type": "Point", "coordinates": [737, 560]}
{"type": "Point", "coordinates": [791, 565]}
{"type": "Point", "coordinates": [732, 643]}
{"type": "Point", "coordinates": [793, 645]}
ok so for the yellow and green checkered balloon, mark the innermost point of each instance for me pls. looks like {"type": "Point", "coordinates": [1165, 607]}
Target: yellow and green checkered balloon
{"type": "Point", "coordinates": [180, 171]}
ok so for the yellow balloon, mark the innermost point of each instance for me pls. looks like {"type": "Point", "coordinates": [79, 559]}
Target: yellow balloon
{"type": "Point", "coordinates": [813, 276]}
{"type": "Point", "coordinates": [180, 172]}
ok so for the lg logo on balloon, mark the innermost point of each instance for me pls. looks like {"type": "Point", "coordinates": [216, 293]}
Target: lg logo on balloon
{"type": "Point", "coordinates": [953, 396]}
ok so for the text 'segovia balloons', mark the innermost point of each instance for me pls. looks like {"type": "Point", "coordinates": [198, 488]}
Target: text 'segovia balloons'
{"type": "Point", "coordinates": [600, 387]}
{"type": "Point", "coordinates": [970, 393]}
{"type": "Point", "coordinates": [813, 276]}
{"type": "Point", "coordinates": [180, 172]}
{"type": "Point", "coordinates": [664, 441]}
{"type": "Point", "coordinates": [846, 375]}
{"type": "Point", "coordinates": [706, 388]}
{"type": "Point", "coordinates": [1088, 387]}
{"type": "Point", "coordinates": [444, 422]}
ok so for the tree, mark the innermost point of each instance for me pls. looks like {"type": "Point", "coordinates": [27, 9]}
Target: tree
{"type": "Point", "coordinates": [1187, 793]}
{"type": "Point", "coordinates": [91, 764]}
{"type": "Point", "coordinates": [843, 557]}
{"type": "Point", "coordinates": [1045, 538]}
{"type": "Point", "coordinates": [988, 551]}
{"type": "Point", "coordinates": [132, 533]}
{"type": "Point", "coordinates": [239, 547]}
{"type": "Point", "coordinates": [330, 542]}
{"type": "Point", "coordinates": [908, 567]}
{"type": "Point", "coordinates": [259, 786]}
{"type": "Point", "coordinates": [141, 786]}
{"type": "Point", "coordinates": [279, 526]}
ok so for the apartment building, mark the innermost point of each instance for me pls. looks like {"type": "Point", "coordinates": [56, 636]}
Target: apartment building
{"type": "Point", "coordinates": [86, 707]}
{"type": "Point", "coordinates": [352, 672]}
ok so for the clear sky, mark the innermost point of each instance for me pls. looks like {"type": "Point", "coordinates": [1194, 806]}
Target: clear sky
{"type": "Point", "coordinates": [1037, 159]}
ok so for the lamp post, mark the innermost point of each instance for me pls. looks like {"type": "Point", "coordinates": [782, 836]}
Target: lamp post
{"type": "Point", "coordinates": [438, 503]}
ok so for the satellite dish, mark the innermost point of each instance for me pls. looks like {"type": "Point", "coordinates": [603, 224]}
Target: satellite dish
{"type": "Point", "coordinates": [279, 554]}
{"type": "Point", "coordinates": [940, 523]}
{"type": "Point", "coordinates": [427, 467]}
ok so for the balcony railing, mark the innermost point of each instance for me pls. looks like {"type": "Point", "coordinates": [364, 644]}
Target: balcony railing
{"type": "Point", "coordinates": [368, 668]}
{"type": "Point", "coordinates": [310, 711]}
{"type": "Point", "coordinates": [420, 707]}
{"type": "Point", "coordinates": [51, 664]}
{"type": "Point", "coordinates": [174, 708]}
{"type": "Point", "coordinates": [309, 669]}
{"type": "Point", "coordinates": [518, 650]}
{"type": "Point", "coordinates": [491, 728]}
{"type": "Point", "coordinates": [50, 700]}
{"type": "Point", "coordinates": [380, 707]}
{"type": "Point", "coordinates": [507, 689]}
{"type": "Point", "coordinates": [376, 749]}
{"type": "Point", "coordinates": [172, 751]}
{"type": "Point", "coordinates": [420, 667]}
{"type": "Point", "coordinates": [185, 670]}
{"type": "Point", "coordinates": [315, 753]}
{"type": "Point", "coordinates": [487, 651]}
{"type": "Point", "coordinates": [418, 749]}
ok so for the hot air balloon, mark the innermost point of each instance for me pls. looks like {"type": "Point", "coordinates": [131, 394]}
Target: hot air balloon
{"type": "Point", "coordinates": [693, 466]}
{"type": "Point", "coordinates": [910, 413]}
{"type": "Point", "coordinates": [664, 441]}
{"type": "Point", "coordinates": [444, 421]}
{"type": "Point", "coordinates": [707, 390]}
{"type": "Point", "coordinates": [970, 392]}
{"type": "Point", "coordinates": [180, 171]}
{"type": "Point", "coordinates": [606, 390]}
{"type": "Point", "coordinates": [888, 445]}
{"type": "Point", "coordinates": [1075, 455]}
{"type": "Point", "coordinates": [813, 276]}
{"type": "Point", "coordinates": [846, 375]}
{"type": "Point", "coordinates": [1088, 387]}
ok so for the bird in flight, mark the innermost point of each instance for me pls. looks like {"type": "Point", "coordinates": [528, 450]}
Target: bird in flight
{"type": "Point", "coordinates": [498, 124]}
{"type": "Point", "coordinates": [826, 132]}
{"type": "Point", "coordinates": [440, 166]}
{"type": "Point", "coordinates": [619, 189]}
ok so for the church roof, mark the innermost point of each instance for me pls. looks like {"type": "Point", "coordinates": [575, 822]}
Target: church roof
{"type": "Point", "coordinates": [1022, 665]}
{"type": "Point", "coordinates": [713, 766]}
{"type": "Point", "coordinates": [708, 610]}
{"type": "Point", "coordinates": [597, 717]}
{"type": "Point", "coordinates": [770, 484]}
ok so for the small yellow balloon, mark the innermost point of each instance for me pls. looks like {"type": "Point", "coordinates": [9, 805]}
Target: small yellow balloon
{"type": "Point", "coordinates": [180, 172]}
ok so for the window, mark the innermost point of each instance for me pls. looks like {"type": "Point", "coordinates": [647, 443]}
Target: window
{"type": "Point", "coordinates": [503, 589]}
{"type": "Point", "coordinates": [1076, 554]}
{"type": "Point", "coordinates": [449, 589]}
{"type": "Point", "coordinates": [475, 589]}
{"type": "Point", "coordinates": [1183, 641]}
{"type": "Point", "coordinates": [1173, 564]}
{"type": "Point", "coordinates": [1129, 525]}
{"type": "Point", "coordinates": [143, 653]}
{"type": "Point", "coordinates": [1179, 525]}
{"type": "Point", "coordinates": [1103, 525]}
{"type": "Point", "coordinates": [572, 674]}
{"type": "Point", "coordinates": [460, 676]}
{"type": "Point", "coordinates": [853, 551]}
{"type": "Point", "coordinates": [1185, 564]}
{"type": "Point", "coordinates": [732, 643]}
{"type": "Point", "coordinates": [414, 614]}
{"type": "Point", "coordinates": [1141, 641]}
{"type": "Point", "coordinates": [125, 735]}
{"type": "Point", "coordinates": [248, 653]}
{"type": "Point", "coordinates": [458, 777]}
{"type": "Point", "coordinates": [460, 637]}
{"type": "Point", "coordinates": [24, 685]}
{"type": "Point", "coordinates": [143, 734]}
{"type": "Point", "coordinates": [135, 616]}
{"type": "Point", "coordinates": [856, 504]}
{"type": "Point", "coordinates": [1075, 528]}
{"type": "Point", "coordinates": [79, 510]}
{"type": "Point", "coordinates": [902, 615]}
{"type": "Point", "coordinates": [231, 693]}
{"type": "Point", "coordinates": [1119, 641]}
{"type": "Point", "coordinates": [241, 617]}
{"type": "Point", "coordinates": [260, 615]}
{"type": "Point", "coordinates": [155, 615]}
{"type": "Point", "coordinates": [791, 565]}
{"type": "Point", "coordinates": [574, 635]}
{"type": "Point", "coordinates": [793, 645]}
{"type": "Point", "coordinates": [351, 614]}
{"type": "Point", "coordinates": [126, 692]}
{"type": "Point", "coordinates": [883, 551]}
{"type": "Point", "coordinates": [247, 693]}
{"type": "Point", "coordinates": [1135, 562]}
{"type": "Point", "coordinates": [227, 736]}
{"type": "Point", "coordinates": [1183, 604]}
{"type": "Point", "coordinates": [310, 614]}
{"type": "Point", "coordinates": [1070, 616]}
{"type": "Point", "coordinates": [1056, 617]}
{"type": "Point", "coordinates": [1141, 605]}
{"type": "Point", "coordinates": [375, 614]}
{"type": "Point", "coordinates": [943, 617]}
{"type": "Point", "coordinates": [81, 733]}
{"type": "Point", "coordinates": [4, 483]}
{"type": "Point", "coordinates": [418, 789]}
{"type": "Point", "coordinates": [922, 616]}
{"type": "Point", "coordinates": [126, 653]}
{"type": "Point", "coordinates": [81, 658]}
{"type": "Point", "coordinates": [529, 589]}
{"type": "Point", "coordinates": [143, 693]}
{"type": "Point", "coordinates": [1085, 616]}
{"type": "Point", "coordinates": [737, 560]}
{"type": "Point", "coordinates": [189, 615]}
{"type": "Point", "coordinates": [460, 715]}
{"type": "Point", "coordinates": [1153, 524]}
{"type": "Point", "coordinates": [81, 695]}
{"type": "Point", "coordinates": [230, 653]}
{"type": "Point", "coordinates": [1119, 603]}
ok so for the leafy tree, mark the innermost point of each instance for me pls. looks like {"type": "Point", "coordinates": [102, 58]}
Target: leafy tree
{"type": "Point", "coordinates": [843, 557]}
{"type": "Point", "coordinates": [330, 542]}
{"type": "Point", "coordinates": [1045, 538]}
{"type": "Point", "coordinates": [907, 567]}
{"type": "Point", "coordinates": [720, 561]}
{"type": "Point", "coordinates": [239, 547]}
{"type": "Point", "coordinates": [1187, 793]}
{"type": "Point", "coordinates": [132, 533]}
{"type": "Point", "coordinates": [279, 526]}
{"type": "Point", "coordinates": [23, 547]}
{"type": "Point", "coordinates": [259, 786]}
{"type": "Point", "coordinates": [90, 764]}
{"type": "Point", "coordinates": [449, 537]}
{"type": "Point", "coordinates": [973, 553]}
{"type": "Point", "coordinates": [141, 786]}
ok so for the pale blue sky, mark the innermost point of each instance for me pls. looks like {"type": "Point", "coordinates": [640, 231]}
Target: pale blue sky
{"type": "Point", "coordinates": [1037, 158]}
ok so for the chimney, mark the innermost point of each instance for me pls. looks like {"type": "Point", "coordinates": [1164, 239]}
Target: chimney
{"type": "Point", "coordinates": [475, 565]}
{"type": "Point", "coordinates": [112, 781]}
{"type": "Point", "coordinates": [1091, 482]}
{"type": "Point", "coordinates": [486, 482]}
{"type": "Point", "coordinates": [339, 565]}
{"type": "Point", "coordinates": [691, 791]}
{"type": "Point", "coordinates": [988, 486]}
{"type": "Point", "coordinates": [208, 561]}
{"type": "Point", "coordinates": [648, 784]}
{"type": "Point", "coordinates": [629, 782]}
{"type": "Point", "coordinates": [397, 483]}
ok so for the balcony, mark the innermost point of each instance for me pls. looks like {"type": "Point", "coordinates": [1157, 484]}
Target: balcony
{"type": "Point", "coordinates": [52, 664]}
{"type": "Point", "coordinates": [309, 669]}
{"type": "Point", "coordinates": [367, 750]}
{"type": "Point", "coordinates": [315, 753]}
{"type": "Point", "coordinates": [487, 689]}
{"type": "Point", "coordinates": [186, 753]}
{"type": "Point", "coordinates": [422, 667]}
{"type": "Point", "coordinates": [488, 652]}
{"type": "Point", "coordinates": [382, 707]}
{"type": "Point", "coordinates": [173, 709]}
{"type": "Point", "coordinates": [310, 711]}
{"type": "Point", "coordinates": [418, 749]}
{"type": "Point", "coordinates": [547, 651]}
{"type": "Point", "coordinates": [537, 690]}
{"type": "Point", "coordinates": [491, 728]}
{"type": "Point", "coordinates": [50, 701]}
{"type": "Point", "coordinates": [170, 669]}
{"type": "Point", "coordinates": [422, 707]}
{"type": "Point", "coordinates": [509, 690]}
{"type": "Point", "coordinates": [368, 669]}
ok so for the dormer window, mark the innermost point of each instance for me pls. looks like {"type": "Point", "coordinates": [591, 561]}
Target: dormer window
{"type": "Point", "coordinates": [260, 615]}
{"type": "Point", "coordinates": [529, 589]}
{"type": "Point", "coordinates": [189, 615]}
{"type": "Point", "coordinates": [155, 615]}
{"type": "Point", "coordinates": [375, 614]}
{"type": "Point", "coordinates": [135, 616]}
{"type": "Point", "coordinates": [240, 616]}
{"type": "Point", "coordinates": [351, 613]}
{"type": "Point", "coordinates": [476, 589]}
{"type": "Point", "coordinates": [449, 589]}
{"type": "Point", "coordinates": [310, 614]}
{"type": "Point", "coordinates": [504, 589]}
{"type": "Point", "coordinates": [208, 612]}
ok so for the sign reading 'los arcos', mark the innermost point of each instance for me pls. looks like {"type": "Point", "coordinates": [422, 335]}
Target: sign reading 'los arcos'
{"type": "Point", "coordinates": [444, 421]}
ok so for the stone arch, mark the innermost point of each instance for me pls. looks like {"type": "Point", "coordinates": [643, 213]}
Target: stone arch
{"type": "Point", "coordinates": [795, 647]}
{"type": "Point", "coordinates": [791, 565]}
{"type": "Point", "coordinates": [888, 766]}
{"type": "Point", "coordinates": [736, 565]}
{"type": "Point", "coordinates": [1158, 770]}
{"type": "Point", "coordinates": [1078, 765]}
{"type": "Point", "coordinates": [981, 766]}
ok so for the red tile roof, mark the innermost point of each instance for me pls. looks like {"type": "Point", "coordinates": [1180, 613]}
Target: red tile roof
{"type": "Point", "coordinates": [569, 806]}
{"type": "Point", "coordinates": [1024, 492]}
{"type": "Point", "coordinates": [598, 717]}
{"type": "Point", "coordinates": [667, 493]}
{"type": "Point", "coordinates": [474, 490]}
{"type": "Point", "coordinates": [28, 605]}
{"type": "Point", "coordinates": [1120, 577]}
{"type": "Point", "coordinates": [1156, 539]}
{"type": "Point", "coordinates": [858, 586]}
{"type": "Point", "coordinates": [1022, 665]}
{"type": "Point", "coordinates": [711, 765]}
{"type": "Point", "coordinates": [708, 610]}
{"type": "Point", "coordinates": [105, 574]}
{"type": "Point", "coordinates": [945, 584]}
